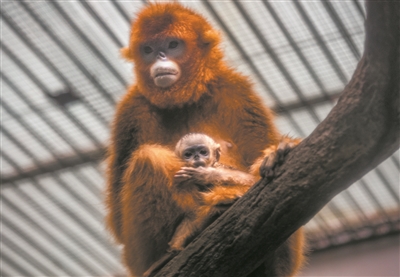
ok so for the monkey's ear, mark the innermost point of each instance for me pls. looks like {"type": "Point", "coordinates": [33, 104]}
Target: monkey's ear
{"type": "Point", "coordinates": [126, 54]}
{"type": "Point", "coordinates": [217, 152]}
{"type": "Point", "coordinates": [210, 38]}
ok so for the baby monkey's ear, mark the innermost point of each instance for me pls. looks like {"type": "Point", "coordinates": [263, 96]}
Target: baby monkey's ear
{"type": "Point", "coordinates": [217, 152]}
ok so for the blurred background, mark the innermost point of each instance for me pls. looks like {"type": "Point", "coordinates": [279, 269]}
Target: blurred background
{"type": "Point", "coordinates": [61, 75]}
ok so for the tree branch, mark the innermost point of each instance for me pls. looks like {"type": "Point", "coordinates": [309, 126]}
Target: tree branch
{"type": "Point", "coordinates": [359, 133]}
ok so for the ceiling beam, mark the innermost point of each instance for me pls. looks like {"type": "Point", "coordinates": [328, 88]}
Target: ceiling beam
{"type": "Point", "coordinates": [96, 156]}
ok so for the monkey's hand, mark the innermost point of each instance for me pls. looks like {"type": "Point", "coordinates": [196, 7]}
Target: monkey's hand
{"type": "Point", "coordinates": [202, 176]}
{"type": "Point", "coordinates": [274, 156]}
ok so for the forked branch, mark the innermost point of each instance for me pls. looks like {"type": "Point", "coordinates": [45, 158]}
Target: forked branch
{"type": "Point", "coordinates": [359, 133]}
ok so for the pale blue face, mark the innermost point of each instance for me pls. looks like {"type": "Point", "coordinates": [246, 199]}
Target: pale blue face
{"type": "Point", "coordinates": [196, 155]}
{"type": "Point", "coordinates": [172, 48]}
{"type": "Point", "coordinates": [162, 55]}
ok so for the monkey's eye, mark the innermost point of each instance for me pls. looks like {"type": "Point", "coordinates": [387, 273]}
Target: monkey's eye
{"type": "Point", "coordinates": [187, 155]}
{"type": "Point", "coordinates": [173, 44]}
{"type": "Point", "coordinates": [147, 49]}
{"type": "Point", "coordinates": [203, 152]}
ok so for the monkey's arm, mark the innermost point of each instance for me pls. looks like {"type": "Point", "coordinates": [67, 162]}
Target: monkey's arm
{"type": "Point", "coordinates": [216, 176]}
{"type": "Point", "coordinates": [123, 143]}
{"type": "Point", "coordinates": [227, 185]}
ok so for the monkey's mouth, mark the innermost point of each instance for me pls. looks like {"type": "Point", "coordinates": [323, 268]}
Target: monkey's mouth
{"type": "Point", "coordinates": [165, 73]}
{"type": "Point", "coordinates": [165, 76]}
{"type": "Point", "coordinates": [200, 163]}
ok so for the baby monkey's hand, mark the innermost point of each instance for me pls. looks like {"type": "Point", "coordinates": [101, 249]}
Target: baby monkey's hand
{"type": "Point", "coordinates": [199, 175]}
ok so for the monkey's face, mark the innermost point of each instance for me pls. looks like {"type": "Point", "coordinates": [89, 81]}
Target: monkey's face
{"type": "Point", "coordinates": [197, 155]}
{"type": "Point", "coordinates": [161, 56]}
{"type": "Point", "coordinates": [175, 52]}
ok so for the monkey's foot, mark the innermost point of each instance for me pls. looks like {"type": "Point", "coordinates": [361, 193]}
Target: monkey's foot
{"type": "Point", "coordinates": [223, 207]}
{"type": "Point", "coordinates": [275, 156]}
{"type": "Point", "coordinates": [158, 265]}
{"type": "Point", "coordinates": [177, 244]}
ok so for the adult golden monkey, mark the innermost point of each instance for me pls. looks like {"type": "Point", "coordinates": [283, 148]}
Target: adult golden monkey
{"type": "Point", "coordinates": [182, 86]}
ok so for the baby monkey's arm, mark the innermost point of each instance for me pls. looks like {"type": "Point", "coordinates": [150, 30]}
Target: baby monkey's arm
{"type": "Point", "coordinates": [216, 176]}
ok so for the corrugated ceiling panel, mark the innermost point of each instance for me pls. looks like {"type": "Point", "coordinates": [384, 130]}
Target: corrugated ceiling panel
{"type": "Point", "coordinates": [62, 75]}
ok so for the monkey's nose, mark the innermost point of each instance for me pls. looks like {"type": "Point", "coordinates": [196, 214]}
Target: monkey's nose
{"type": "Point", "coordinates": [162, 56]}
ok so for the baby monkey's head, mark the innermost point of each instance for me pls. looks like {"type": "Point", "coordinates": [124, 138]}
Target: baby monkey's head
{"type": "Point", "coordinates": [197, 149]}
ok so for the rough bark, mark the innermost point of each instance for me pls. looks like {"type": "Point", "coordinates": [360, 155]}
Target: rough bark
{"type": "Point", "coordinates": [359, 133]}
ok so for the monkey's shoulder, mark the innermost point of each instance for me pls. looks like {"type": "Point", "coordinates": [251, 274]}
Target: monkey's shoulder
{"type": "Point", "coordinates": [234, 91]}
{"type": "Point", "coordinates": [133, 108]}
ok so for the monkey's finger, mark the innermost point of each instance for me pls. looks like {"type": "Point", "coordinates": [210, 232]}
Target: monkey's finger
{"type": "Point", "coordinates": [180, 172]}
{"type": "Point", "coordinates": [188, 169]}
{"type": "Point", "coordinates": [181, 177]}
{"type": "Point", "coordinates": [184, 172]}
{"type": "Point", "coordinates": [191, 170]}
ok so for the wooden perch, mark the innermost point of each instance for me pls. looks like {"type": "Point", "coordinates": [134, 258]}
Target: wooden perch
{"type": "Point", "coordinates": [360, 132]}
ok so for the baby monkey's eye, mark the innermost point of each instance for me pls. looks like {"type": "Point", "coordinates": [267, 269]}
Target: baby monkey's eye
{"type": "Point", "coordinates": [173, 44]}
{"type": "Point", "coordinates": [187, 154]}
{"type": "Point", "coordinates": [203, 152]}
{"type": "Point", "coordinates": [147, 49]}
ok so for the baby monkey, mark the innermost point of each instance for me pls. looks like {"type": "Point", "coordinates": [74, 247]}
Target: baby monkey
{"type": "Point", "coordinates": [201, 174]}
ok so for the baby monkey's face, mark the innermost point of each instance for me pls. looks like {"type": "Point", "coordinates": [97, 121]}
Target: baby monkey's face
{"type": "Point", "coordinates": [197, 155]}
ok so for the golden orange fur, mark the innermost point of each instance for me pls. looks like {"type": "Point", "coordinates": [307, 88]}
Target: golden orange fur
{"type": "Point", "coordinates": [144, 206]}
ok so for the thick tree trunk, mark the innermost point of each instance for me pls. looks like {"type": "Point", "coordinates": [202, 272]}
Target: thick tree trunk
{"type": "Point", "coordinates": [359, 133]}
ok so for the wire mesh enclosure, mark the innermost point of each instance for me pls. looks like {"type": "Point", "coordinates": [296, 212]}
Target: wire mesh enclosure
{"type": "Point", "coordinates": [62, 75]}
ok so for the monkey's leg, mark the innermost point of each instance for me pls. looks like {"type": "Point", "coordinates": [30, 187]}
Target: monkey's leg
{"type": "Point", "coordinates": [287, 260]}
{"type": "Point", "coordinates": [289, 257]}
{"type": "Point", "coordinates": [192, 225]}
{"type": "Point", "coordinates": [159, 264]}
{"type": "Point", "coordinates": [150, 211]}
{"type": "Point", "coordinates": [188, 228]}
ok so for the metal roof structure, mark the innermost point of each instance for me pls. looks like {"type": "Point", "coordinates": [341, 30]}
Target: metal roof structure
{"type": "Point", "coordinates": [61, 75]}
